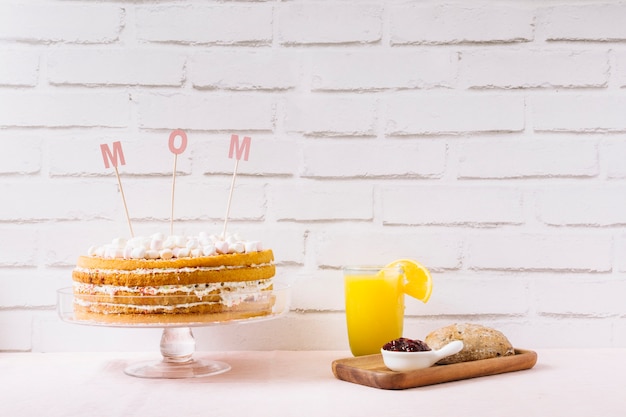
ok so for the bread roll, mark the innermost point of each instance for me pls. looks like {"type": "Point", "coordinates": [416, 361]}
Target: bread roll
{"type": "Point", "coordinates": [479, 342]}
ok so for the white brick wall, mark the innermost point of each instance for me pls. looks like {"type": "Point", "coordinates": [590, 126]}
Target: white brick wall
{"type": "Point", "coordinates": [486, 140]}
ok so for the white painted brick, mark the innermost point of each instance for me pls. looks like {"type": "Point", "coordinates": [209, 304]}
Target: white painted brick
{"type": "Point", "coordinates": [611, 156]}
{"type": "Point", "coordinates": [296, 332]}
{"type": "Point", "coordinates": [287, 241]}
{"type": "Point", "coordinates": [50, 334]}
{"type": "Point", "coordinates": [20, 153]}
{"type": "Point", "coordinates": [620, 252]}
{"type": "Point", "coordinates": [19, 67]}
{"type": "Point", "coordinates": [193, 200]}
{"type": "Point", "coordinates": [340, 23]}
{"type": "Point", "coordinates": [252, 69]}
{"type": "Point", "coordinates": [619, 332]}
{"type": "Point", "coordinates": [198, 24]}
{"type": "Point", "coordinates": [313, 331]}
{"type": "Point", "coordinates": [412, 113]}
{"type": "Point", "coordinates": [339, 70]}
{"type": "Point", "coordinates": [571, 295]}
{"type": "Point", "coordinates": [538, 252]}
{"type": "Point", "coordinates": [43, 23]}
{"type": "Point", "coordinates": [331, 115]}
{"type": "Point", "coordinates": [451, 205]}
{"type": "Point", "coordinates": [318, 202]}
{"type": "Point", "coordinates": [64, 109]}
{"type": "Point", "coordinates": [460, 24]}
{"type": "Point", "coordinates": [521, 68]}
{"type": "Point", "coordinates": [505, 157]}
{"type": "Point", "coordinates": [248, 200]}
{"type": "Point", "coordinates": [578, 112]}
{"type": "Point", "coordinates": [453, 293]}
{"type": "Point", "coordinates": [204, 111]}
{"type": "Point", "coordinates": [15, 330]}
{"type": "Point", "coordinates": [620, 68]}
{"type": "Point", "coordinates": [144, 154]}
{"type": "Point", "coordinates": [578, 205]}
{"type": "Point", "coordinates": [211, 156]}
{"type": "Point", "coordinates": [562, 332]}
{"type": "Point", "coordinates": [131, 66]}
{"type": "Point", "coordinates": [63, 242]}
{"type": "Point", "coordinates": [318, 105]}
{"type": "Point", "coordinates": [44, 200]}
{"type": "Point", "coordinates": [373, 246]}
{"type": "Point", "coordinates": [468, 294]}
{"type": "Point", "coordinates": [18, 246]}
{"type": "Point", "coordinates": [588, 22]}
{"type": "Point", "coordinates": [16, 286]}
{"type": "Point", "coordinates": [306, 290]}
{"type": "Point", "coordinates": [374, 159]}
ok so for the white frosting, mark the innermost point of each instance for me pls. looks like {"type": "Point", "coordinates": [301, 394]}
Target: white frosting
{"type": "Point", "coordinates": [159, 271]}
{"type": "Point", "coordinates": [159, 246]}
{"type": "Point", "coordinates": [229, 293]}
{"type": "Point", "coordinates": [199, 290]}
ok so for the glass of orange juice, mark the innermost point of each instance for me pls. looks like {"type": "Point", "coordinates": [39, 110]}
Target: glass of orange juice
{"type": "Point", "coordinates": [374, 306]}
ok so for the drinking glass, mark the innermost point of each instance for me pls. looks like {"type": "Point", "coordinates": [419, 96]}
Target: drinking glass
{"type": "Point", "coordinates": [374, 306]}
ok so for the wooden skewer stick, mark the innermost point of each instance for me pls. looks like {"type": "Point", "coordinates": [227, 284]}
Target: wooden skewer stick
{"type": "Point", "coordinates": [175, 150]}
{"type": "Point", "coordinates": [238, 151]}
{"type": "Point", "coordinates": [173, 192]}
{"type": "Point", "coordinates": [230, 198]}
{"type": "Point", "coordinates": [119, 183]}
{"type": "Point", "coordinates": [111, 158]}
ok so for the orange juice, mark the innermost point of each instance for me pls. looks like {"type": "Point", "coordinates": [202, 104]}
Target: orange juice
{"type": "Point", "coordinates": [374, 307]}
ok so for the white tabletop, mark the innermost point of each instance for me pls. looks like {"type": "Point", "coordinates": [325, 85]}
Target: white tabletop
{"type": "Point", "coordinates": [286, 383]}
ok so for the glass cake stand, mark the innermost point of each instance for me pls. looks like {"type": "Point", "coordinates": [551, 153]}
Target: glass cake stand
{"type": "Point", "coordinates": [177, 341]}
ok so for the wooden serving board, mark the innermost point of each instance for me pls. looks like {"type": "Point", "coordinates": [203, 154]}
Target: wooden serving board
{"type": "Point", "coordinates": [370, 370]}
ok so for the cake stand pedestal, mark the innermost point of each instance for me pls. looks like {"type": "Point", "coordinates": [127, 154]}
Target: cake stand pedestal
{"type": "Point", "coordinates": [177, 348]}
{"type": "Point", "coordinates": [178, 344]}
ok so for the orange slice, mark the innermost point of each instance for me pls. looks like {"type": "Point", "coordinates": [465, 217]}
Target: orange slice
{"type": "Point", "coordinates": [419, 283]}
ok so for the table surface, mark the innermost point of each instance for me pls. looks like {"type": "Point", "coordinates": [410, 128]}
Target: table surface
{"type": "Point", "coordinates": [585, 382]}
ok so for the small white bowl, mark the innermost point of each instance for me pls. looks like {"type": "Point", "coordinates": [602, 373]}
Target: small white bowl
{"type": "Point", "coordinates": [410, 361]}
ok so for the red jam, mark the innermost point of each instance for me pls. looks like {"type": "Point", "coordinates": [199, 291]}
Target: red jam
{"type": "Point", "coordinates": [406, 345]}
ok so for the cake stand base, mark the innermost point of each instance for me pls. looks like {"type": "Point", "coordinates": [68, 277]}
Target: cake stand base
{"type": "Point", "coordinates": [194, 368]}
{"type": "Point", "coordinates": [177, 348]}
{"type": "Point", "coordinates": [178, 344]}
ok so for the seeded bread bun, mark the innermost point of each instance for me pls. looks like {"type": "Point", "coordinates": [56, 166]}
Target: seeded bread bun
{"type": "Point", "coordinates": [479, 342]}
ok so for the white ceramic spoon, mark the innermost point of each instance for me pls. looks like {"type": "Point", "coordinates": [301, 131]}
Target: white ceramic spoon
{"type": "Point", "coordinates": [410, 361]}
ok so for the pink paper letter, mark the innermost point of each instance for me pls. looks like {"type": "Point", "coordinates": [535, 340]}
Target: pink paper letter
{"type": "Point", "coordinates": [111, 158]}
{"type": "Point", "coordinates": [235, 148]}
{"type": "Point", "coordinates": [183, 141]}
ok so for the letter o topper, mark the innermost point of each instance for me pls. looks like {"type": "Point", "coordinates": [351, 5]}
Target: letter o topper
{"type": "Point", "coordinates": [183, 141]}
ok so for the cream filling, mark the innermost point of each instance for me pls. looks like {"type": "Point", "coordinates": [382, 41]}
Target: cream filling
{"type": "Point", "coordinates": [152, 308]}
{"type": "Point", "coordinates": [200, 290]}
{"type": "Point", "coordinates": [84, 303]}
{"type": "Point", "coordinates": [149, 271]}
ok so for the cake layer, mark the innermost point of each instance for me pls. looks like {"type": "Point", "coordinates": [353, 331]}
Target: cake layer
{"type": "Point", "coordinates": [206, 312]}
{"type": "Point", "coordinates": [181, 271]}
{"type": "Point", "coordinates": [229, 259]}
{"type": "Point", "coordinates": [198, 290]}
{"type": "Point", "coordinates": [228, 293]}
{"type": "Point", "coordinates": [160, 277]}
{"type": "Point", "coordinates": [217, 287]}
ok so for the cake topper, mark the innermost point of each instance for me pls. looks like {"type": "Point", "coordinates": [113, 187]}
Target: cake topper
{"type": "Point", "coordinates": [237, 150]}
{"type": "Point", "coordinates": [116, 156]}
{"type": "Point", "coordinates": [176, 151]}
{"type": "Point", "coordinates": [111, 158]}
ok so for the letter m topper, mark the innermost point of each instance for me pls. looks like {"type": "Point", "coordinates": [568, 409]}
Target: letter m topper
{"type": "Point", "coordinates": [111, 158]}
{"type": "Point", "coordinates": [239, 149]}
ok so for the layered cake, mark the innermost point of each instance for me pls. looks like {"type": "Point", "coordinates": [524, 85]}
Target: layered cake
{"type": "Point", "coordinates": [184, 279]}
